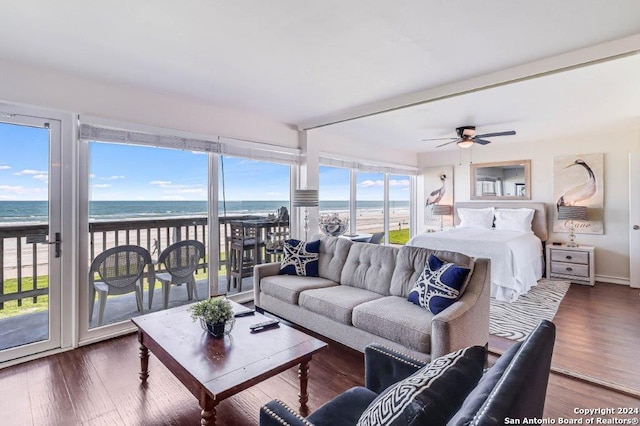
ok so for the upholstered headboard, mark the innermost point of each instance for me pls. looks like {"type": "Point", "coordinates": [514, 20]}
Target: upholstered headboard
{"type": "Point", "coordinates": [539, 223]}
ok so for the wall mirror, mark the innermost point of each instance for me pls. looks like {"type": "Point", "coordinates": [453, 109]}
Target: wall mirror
{"type": "Point", "coordinates": [504, 180]}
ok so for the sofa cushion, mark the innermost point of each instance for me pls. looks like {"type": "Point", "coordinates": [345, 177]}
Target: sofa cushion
{"type": "Point", "coordinates": [344, 409]}
{"type": "Point", "coordinates": [431, 395]}
{"type": "Point", "coordinates": [411, 262]}
{"type": "Point", "coordinates": [369, 266]}
{"type": "Point", "coordinates": [288, 287]}
{"type": "Point", "coordinates": [439, 285]}
{"type": "Point", "coordinates": [333, 255]}
{"type": "Point", "coordinates": [396, 319]}
{"type": "Point", "coordinates": [300, 258]}
{"type": "Point", "coordinates": [336, 303]}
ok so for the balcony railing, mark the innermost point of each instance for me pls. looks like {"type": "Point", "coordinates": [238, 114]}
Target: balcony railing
{"type": "Point", "coordinates": [24, 252]}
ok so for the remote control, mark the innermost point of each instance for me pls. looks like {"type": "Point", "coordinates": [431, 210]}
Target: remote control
{"type": "Point", "coordinates": [264, 325]}
{"type": "Point", "coordinates": [244, 314]}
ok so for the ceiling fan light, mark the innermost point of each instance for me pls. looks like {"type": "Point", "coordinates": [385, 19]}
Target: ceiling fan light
{"type": "Point", "coordinates": [466, 143]}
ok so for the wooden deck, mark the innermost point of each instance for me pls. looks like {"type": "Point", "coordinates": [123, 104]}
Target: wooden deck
{"type": "Point", "coordinates": [98, 385]}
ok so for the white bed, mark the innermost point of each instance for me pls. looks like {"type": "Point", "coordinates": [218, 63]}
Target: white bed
{"type": "Point", "coordinates": [517, 259]}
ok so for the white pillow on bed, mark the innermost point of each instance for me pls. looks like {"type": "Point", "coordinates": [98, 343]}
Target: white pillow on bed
{"type": "Point", "coordinates": [476, 218]}
{"type": "Point", "coordinates": [514, 219]}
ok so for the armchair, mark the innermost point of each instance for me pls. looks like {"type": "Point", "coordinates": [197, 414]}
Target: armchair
{"type": "Point", "coordinates": [515, 387]}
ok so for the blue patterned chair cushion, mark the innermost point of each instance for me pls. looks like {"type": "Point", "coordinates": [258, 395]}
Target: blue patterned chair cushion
{"type": "Point", "coordinates": [430, 396]}
{"type": "Point", "coordinates": [439, 285]}
{"type": "Point", "coordinates": [300, 258]}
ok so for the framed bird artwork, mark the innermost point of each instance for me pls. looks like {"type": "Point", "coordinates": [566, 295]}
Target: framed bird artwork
{"type": "Point", "coordinates": [438, 189]}
{"type": "Point", "coordinates": [578, 180]}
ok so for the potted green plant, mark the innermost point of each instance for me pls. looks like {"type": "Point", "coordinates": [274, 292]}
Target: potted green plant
{"type": "Point", "coordinates": [215, 315]}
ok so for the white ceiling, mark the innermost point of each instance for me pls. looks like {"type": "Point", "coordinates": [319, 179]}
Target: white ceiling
{"type": "Point", "coordinates": [299, 61]}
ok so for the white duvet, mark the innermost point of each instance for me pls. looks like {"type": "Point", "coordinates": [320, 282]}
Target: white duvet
{"type": "Point", "coordinates": [516, 257]}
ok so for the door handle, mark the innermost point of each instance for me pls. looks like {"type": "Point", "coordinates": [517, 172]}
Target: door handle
{"type": "Point", "coordinates": [57, 242]}
{"type": "Point", "coordinates": [636, 227]}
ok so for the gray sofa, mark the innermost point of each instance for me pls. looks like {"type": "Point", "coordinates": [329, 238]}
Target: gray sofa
{"type": "Point", "coordinates": [360, 297]}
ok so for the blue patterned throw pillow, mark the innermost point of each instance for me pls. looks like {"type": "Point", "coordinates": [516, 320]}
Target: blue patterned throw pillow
{"type": "Point", "coordinates": [431, 395]}
{"type": "Point", "coordinates": [439, 285]}
{"type": "Point", "coordinates": [300, 258]}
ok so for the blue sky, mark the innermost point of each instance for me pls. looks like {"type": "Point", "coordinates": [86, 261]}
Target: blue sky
{"type": "Point", "coordinates": [126, 172]}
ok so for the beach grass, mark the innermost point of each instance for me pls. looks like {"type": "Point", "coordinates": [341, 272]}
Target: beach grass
{"type": "Point", "coordinates": [399, 236]}
{"type": "Point", "coordinates": [11, 307]}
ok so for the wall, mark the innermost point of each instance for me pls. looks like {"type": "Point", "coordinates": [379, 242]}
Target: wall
{"type": "Point", "coordinates": [612, 248]}
{"type": "Point", "coordinates": [56, 90]}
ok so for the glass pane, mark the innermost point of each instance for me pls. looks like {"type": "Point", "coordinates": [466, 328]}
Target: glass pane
{"type": "Point", "coordinates": [399, 208]}
{"type": "Point", "coordinates": [334, 195]}
{"type": "Point", "coordinates": [151, 198]}
{"type": "Point", "coordinates": [254, 198]}
{"type": "Point", "coordinates": [369, 203]}
{"type": "Point", "coordinates": [24, 228]}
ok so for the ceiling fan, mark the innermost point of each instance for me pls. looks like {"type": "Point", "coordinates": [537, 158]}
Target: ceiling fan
{"type": "Point", "coordinates": [467, 137]}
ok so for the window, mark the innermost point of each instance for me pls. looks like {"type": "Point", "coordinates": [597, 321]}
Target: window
{"type": "Point", "coordinates": [399, 208]}
{"type": "Point", "coordinates": [369, 203]}
{"type": "Point", "coordinates": [148, 197]}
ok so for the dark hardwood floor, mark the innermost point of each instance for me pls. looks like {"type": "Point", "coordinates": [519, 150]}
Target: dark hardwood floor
{"type": "Point", "coordinates": [99, 384]}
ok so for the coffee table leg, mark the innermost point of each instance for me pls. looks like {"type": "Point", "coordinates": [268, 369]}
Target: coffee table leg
{"type": "Point", "coordinates": [144, 359]}
{"type": "Point", "coordinates": [303, 374]}
{"type": "Point", "coordinates": [208, 405]}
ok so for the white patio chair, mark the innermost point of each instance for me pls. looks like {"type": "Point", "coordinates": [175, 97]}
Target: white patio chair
{"type": "Point", "coordinates": [180, 260]}
{"type": "Point", "coordinates": [120, 271]}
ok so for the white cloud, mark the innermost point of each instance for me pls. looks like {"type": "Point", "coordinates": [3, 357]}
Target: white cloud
{"type": "Point", "coordinates": [190, 191]}
{"type": "Point", "coordinates": [112, 178]}
{"type": "Point", "coordinates": [369, 183]}
{"type": "Point", "coordinates": [30, 172]}
{"type": "Point", "coordinates": [173, 198]}
{"type": "Point", "coordinates": [92, 175]}
{"type": "Point", "coordinates": [21, 190]}
{"type": "Point", "coordinates": [160, 182]}
{"type": "Point", "coordinates": [4, 167]}
{"type": "Point", "coordinates": [41, 177]}
{"type": "Point", "coordinates": [102, 185]}
{"type": "Point", "coordinates": [399, 182]}
{"type": "Point", "coordinates": [273, 194]}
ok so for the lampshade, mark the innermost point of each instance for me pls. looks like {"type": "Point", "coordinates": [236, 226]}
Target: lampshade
{"type": "Point", "coordinates": [305, 198]}
{"type": "Point", "coordinates": [465, 143]}
{"type": "Point", "coordinates": [441, 210]}
{"type": "Point", "coordinates": [572, 213]}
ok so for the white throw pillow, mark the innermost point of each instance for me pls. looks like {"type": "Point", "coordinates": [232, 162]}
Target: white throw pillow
{"type": "Point", "coordinates": [514, 219]}
{"type": "Point", "coordinates": [476, 218]}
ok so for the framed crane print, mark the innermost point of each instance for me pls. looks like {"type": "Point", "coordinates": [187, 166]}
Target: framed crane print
{"type": "Point", "coordinates": [578, 180]}
{"type": "Point", "coordinates": [438, 190]}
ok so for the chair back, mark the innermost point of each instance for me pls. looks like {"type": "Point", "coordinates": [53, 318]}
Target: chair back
{"type": "Point", "coordinates": [120, 266]}
{"type": "Point", "coordinates": [377, 238]}
{"type": "Point", "coordinates": [181, 259]}
{"type": "Point", "coordinates": [243, 233]}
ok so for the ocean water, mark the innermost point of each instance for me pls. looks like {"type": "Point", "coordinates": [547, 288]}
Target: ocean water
{"type": "Point", "coordinates": [36, 211]}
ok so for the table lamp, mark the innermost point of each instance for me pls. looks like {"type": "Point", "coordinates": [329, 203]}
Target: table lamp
{"type": "Point", "coordinates": [572, 213]}
{"type": "Point", "coordinates": [305, 198]}
{"type": "Point", "coordinates": [441, 210]}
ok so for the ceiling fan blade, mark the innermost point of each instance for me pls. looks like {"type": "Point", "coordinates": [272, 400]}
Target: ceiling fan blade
{"type": "Point", "coordinates": [489, 135]}
{"type": "Point", "coordinates": [481, 141]}
{"type": "Point", "coordinates": [439, 139]}
{"type": "Point", "coordinates": [447, 143]}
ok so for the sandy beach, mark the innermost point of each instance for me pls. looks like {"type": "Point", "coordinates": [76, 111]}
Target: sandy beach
{"type": "Point", "coordinates": [368, 221]}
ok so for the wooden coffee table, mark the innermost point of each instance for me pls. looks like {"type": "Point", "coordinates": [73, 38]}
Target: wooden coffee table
{"type": "Point", "coordinates": [214, 369]}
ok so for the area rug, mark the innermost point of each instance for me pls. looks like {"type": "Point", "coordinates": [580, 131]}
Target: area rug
{"type": "Point", "coordinates": [515, 321]}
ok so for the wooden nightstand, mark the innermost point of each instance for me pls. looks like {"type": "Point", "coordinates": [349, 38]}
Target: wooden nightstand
{"type": "Point", "coordinates": [576, 264]}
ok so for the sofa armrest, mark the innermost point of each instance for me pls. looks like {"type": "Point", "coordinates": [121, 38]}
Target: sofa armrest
{"type": "Point", "coordinates": [384, 366]}
{"type": "Point", "coordinates": [259, 272]}
{"type": "Point", "coordinates": [466, 322]}
{"type": "Point", "coordinates": [277, 413]}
